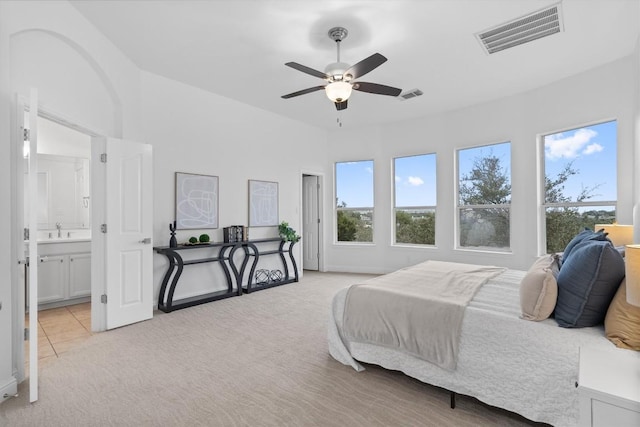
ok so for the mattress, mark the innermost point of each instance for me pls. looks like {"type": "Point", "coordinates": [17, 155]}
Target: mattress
{"type": "Point", "coordinates": [526, 367]}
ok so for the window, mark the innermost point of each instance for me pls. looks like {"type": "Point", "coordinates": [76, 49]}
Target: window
{"type": "Point", "coordinates": [579, 181]}
{"type": "Point", "coordinates": [415, 199]}
{"type": "Point", "coordinates": [484, 197]}
{"type": "Point", "coordinates": [354, 201]}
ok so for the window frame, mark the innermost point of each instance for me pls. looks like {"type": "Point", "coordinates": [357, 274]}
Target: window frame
{"type": "Point", "coordinates": [459, 207]}
{"type": "Point", "coordinates": [395, 208]}
{"type": "Point", "coordinates": [336, 209]}
{"type": "Point", "coordinates": [542, 196]}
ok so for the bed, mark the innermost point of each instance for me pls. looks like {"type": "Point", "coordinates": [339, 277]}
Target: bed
{"type": "Point", "coordinates": [527, 367]}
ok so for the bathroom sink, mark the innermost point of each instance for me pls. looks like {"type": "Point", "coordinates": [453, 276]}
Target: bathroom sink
{"type": "Point", "coordinates": [64, 239]}
{"type": "Point", "coordinates": [66, 236]}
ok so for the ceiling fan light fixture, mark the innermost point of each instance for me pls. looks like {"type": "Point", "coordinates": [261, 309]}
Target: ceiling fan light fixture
{"type": "Point", "coordinates": [338, 91]}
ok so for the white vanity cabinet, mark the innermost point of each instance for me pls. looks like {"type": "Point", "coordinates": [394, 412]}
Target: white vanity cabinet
{"type": "Point", "coordinates": [64, 273]}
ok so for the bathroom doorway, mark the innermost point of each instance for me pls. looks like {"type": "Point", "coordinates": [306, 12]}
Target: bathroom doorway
{"type": "Point", "coordinates": [64, 238]}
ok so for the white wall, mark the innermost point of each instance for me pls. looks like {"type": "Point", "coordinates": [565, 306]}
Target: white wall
{"type": "Point", "coordinates": [195, 131]}
{"type": "Point", "coordinates": [8, 382]}
{"type": "Point", "coordinates": [601, 94]}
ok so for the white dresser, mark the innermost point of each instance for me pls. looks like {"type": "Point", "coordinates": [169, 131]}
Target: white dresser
{"type": "Point", "coordinates": [609, 387]}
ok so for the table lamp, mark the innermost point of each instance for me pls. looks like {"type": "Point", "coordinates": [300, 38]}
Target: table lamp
{"type": "Point", "coordinates": [632, 269]}
{"type": "Point", "coordinates": [620, 235]}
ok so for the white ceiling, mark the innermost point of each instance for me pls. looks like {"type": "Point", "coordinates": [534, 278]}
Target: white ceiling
{"type": "Point", "coordinates": [238, 49]}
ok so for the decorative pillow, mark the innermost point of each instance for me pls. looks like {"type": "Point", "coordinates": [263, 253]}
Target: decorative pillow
{"type": "Point", "coordinates": [622, 323]}
{"type": "Point", "coordinates": [587, 282]}
{"type": "Point", "coordinates": [585, 234]}
{"type": "Point", "coordinates": [539, 290]}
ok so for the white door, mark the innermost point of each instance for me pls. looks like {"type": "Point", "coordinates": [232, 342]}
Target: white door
{"type": "Point", "coordinates": [310, 222]}
{"type": "Point", "coordinates": [128, 253]}
{"type": "Point", "coordinates": [31, 223]}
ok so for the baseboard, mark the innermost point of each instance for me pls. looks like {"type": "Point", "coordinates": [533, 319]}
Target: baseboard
{"type": "Point", "coordinates": [352, 269]}
{"type": "Point", "coordinates": [8, 389]}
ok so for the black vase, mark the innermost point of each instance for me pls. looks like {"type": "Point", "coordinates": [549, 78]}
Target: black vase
{"type": "Point", "coordinates": [173, 243]}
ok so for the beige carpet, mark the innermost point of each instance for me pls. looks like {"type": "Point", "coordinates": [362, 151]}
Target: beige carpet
{"type": "Point", "coordinates": [256, 360]}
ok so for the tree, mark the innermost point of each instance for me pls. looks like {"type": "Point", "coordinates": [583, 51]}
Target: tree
{"type": "Point", "coordinates": [417, 228]}
{"type": "Point", "coordinates": [486, 184]}
{"type": "Point", "coordinates": [564, 222]}
{"type": "Point", "coordinates": [347, 226]}
{"type": "Point", "coordinates": [351, 226]}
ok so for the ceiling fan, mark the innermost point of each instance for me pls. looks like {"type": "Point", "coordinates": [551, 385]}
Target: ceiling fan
{"type": "Point", "coordinates": [340, 76]}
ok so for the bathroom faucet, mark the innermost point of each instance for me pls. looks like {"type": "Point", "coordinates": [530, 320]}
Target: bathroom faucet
{"type": "Point", "coordinates": [59, 227]}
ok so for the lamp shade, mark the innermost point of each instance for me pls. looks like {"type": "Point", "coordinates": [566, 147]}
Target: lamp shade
{"type": "Point", "coordinates": [632, 269]}
{"type": "Point", "coordinates": [338, 91]}
{"type": "Point", "coordinates": [620, 235]}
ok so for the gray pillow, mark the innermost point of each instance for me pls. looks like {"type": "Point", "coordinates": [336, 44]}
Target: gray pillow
{"type": "Point", "coordinates": [587, 282]}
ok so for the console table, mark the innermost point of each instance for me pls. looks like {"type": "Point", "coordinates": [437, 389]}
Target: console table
{"type": "Point", "coordinates": [250, 248]}
{"type": "Point", "coordinates": [225, 258]}
{"type": "Point", "coordinates": [176, 265]}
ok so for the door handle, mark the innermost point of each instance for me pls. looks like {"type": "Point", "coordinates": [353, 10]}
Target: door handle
{"type": "Point", "coordinates": [146, 240]}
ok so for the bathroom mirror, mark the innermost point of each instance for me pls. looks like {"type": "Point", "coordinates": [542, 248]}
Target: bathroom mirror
{"type": "Point", "coordinates": [63, 177]}
{"type": "Point", "coordinates": [65, 187]}
{"type": "Point", "coordinates": [63, 192]}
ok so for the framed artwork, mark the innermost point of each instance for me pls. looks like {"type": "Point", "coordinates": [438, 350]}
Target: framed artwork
{"type": "Point", "coordinates": [196, 201]}
{"type": "Point", "coordinates": [263, 203]}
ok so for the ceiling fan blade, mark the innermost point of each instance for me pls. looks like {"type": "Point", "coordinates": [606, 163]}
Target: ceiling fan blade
{"type": "Point", "coordinates": [366, 65]}
{"type": "Point", "coordinates": [307, 70]}
{"type": "Point", "coordinates": [302, 92]}
{"type": "Point", "coordinates": [376, 88]}
{"type": "Point", "coordinates": [341, 105]}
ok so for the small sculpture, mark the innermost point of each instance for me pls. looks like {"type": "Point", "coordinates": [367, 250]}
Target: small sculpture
{"type": "Point", "coordinates": [173, 243]}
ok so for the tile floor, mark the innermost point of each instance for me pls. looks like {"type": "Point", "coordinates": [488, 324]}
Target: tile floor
{"type": "Point", "coordinates": [60, 330]}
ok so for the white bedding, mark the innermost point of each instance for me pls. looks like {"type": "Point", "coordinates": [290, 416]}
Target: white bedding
{"type": "Point", "coordinates": [530, 368]}
{"type": "Point", "coordinates": [418, 310]}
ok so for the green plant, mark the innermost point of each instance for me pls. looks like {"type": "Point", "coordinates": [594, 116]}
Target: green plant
{"type": "Point", "coordinates": [204, 238]}
{"type": "Point", "coordinates": [287, 233]}
{"type": "Point", "coordinates": [193, 240]}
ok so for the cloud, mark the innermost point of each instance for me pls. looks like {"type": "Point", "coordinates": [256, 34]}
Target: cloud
{"type": "Point", "coordinates": [593, 148]}
{"type": "Point", "coordinates": [415, 180]}
{"type": "Point", "coordinates": [398, 179]}
{"type": "Point", "coordinates": [559, 146]}
{"type": "Point", "coordinates": [368, 169]}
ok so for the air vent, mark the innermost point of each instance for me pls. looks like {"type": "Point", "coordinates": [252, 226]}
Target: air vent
{"type": "Point", "coordinates": [522, 30]}
{"type": "Point", "coordinates": [410, 94]}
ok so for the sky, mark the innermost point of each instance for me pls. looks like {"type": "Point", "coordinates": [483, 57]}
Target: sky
{"type": "Point", "coordinates": [593, 152]}
{"type": "Point", "coordinates": [354, 183]}
{"type": "Point", "coordinates": [415, 180]}
{"type": "Point", "coordinates": [591, 148]}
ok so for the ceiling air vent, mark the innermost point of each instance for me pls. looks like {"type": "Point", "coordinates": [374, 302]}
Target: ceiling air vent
{"type": "Point", "coordinates": [522, 30]}
{"type": "Point", "coordinates": [410, 94]}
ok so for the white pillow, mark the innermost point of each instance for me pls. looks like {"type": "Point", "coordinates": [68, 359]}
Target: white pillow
{"type": "Point", "coordinates": [539, 289]}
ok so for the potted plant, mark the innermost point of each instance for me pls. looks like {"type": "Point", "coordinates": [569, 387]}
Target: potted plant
{"type": "Point", "coordinates": [287, 233]}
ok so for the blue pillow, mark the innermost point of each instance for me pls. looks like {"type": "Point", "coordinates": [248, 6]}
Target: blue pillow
{"type": "Point", "coordinates": [585, 234]}
{"type": "Point", "coordinates": [587, 282]}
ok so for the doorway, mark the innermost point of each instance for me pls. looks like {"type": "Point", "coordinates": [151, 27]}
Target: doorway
{"type": "Point", "coordinates": [311, 222]}
{"type": "Point", "coordinates": [63, 234]}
